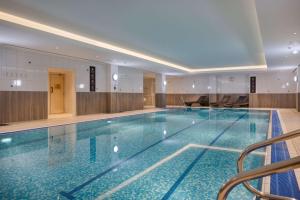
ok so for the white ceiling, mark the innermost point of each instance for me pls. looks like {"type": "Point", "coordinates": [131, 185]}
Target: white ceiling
{"type": "Point", "coordinates": [279, 20]}
{"type": "Point", "coordinates": [194, 33]}
{"type": "Point", "coordinates": [19, 36]}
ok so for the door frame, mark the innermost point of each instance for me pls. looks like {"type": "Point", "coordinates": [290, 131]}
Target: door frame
{"type": "Point", "coordinates": [51, 89]}
{"type": "Point", "coordinates": [149, 76]}
{"type": "Point", "coordinates": [69, 92]}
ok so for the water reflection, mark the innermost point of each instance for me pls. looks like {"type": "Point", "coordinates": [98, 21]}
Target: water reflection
{"type": "Point", "coordinates": [115, 147]}
{"type": "Point", "coordinates": [61, 144]}
{"type": "Point", "coordinates": [93, 149]}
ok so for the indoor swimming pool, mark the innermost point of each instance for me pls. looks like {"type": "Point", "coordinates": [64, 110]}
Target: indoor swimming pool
{"type": "Point", "coordinates": [171, 154]}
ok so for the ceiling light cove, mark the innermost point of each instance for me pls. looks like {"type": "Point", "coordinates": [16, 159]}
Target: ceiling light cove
{"type": "Point", "coordinates": [79, 38]}
{"type": "Point", "coordinates": [236, 68]}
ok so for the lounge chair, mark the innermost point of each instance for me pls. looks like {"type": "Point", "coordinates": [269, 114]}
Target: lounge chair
{"type": "Point", "coordinates": [202, 100]}
{"type": "Point", "coordinates": [224, 100]}
{"type": "Point", "coordinates": [242, 101]}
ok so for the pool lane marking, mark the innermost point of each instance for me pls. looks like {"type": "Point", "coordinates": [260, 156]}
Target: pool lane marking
{"type": "Point", "coordinates": [189, 168]}
{"type": "Point", "coordinates": [225, 149]}
{"type": "Point", "coordinates": [166, 159]}
{"type": "Point", "coordinates": [146, 171]}
{"type": "Point", "coordinates": [69, 194]}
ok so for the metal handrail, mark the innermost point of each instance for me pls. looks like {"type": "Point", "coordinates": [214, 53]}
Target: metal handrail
{"type": "Point", "coordinates": [242, 177]}
{"type": "Point", "coordinates": [279, 167]}
{"type": "Point", "coordinates": [258, 145]}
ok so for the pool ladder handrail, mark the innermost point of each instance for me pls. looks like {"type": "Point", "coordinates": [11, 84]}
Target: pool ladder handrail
{"type": "Point", "coordinates": [244, 176]}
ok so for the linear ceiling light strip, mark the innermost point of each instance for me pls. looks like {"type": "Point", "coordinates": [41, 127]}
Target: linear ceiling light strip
{"type": "Point", "coordinates": [45, 28]}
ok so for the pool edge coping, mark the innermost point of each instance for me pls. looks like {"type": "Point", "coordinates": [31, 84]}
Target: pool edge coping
{"type": "Point", "coordinates": [100, 116]}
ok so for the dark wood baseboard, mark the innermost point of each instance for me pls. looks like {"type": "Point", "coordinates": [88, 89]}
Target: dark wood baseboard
{"type": "Point", "coordinates": [23, 106]}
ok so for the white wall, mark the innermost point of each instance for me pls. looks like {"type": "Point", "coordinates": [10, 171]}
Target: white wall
{"type": "Point", "coordinates": [276, 82]}
{"type": "Point", "coordinates": [233, 84]}
{"type": "Point", "coordinates": [204, 84]}
{"type": "Point", "coordinates": [267, 82]}
{"type": "Point", "coordinates": [183, 84]}
{"type": "Point", "coordinates": [31, 67]}
{"type": "Point", "coordinates": [130, 80]}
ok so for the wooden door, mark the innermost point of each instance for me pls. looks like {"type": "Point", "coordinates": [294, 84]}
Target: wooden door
{"type": "Point", "coordinates": [56, 93]}
{"type": "Point", "coordinates": [149, 91]}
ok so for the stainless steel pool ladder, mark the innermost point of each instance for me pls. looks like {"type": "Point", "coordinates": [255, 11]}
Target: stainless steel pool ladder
{"type": "Point", "coordinates": [244, 176]}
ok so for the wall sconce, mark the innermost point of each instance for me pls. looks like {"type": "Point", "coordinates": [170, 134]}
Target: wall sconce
{"type": "Point", "coordinates": [295, 78]}
{"type": "Point", "coordinates": [165, 83]}
{"type": "Point", "coordinates": [287, 83]}
{"type": "Point", "coordinates": [193, 86]}
{"type": "Point", "coordinates": [115, 77]}
{"type": "Point", "coordinates": [81, 86]}
{"type": "Point", "coordinates": [17, 83]}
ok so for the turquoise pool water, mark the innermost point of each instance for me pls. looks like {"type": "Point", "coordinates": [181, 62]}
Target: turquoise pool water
{"type": "Point", "coordinates": [173, 154]}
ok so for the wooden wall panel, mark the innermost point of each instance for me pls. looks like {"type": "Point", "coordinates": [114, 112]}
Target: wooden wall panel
{"type": "Point", "coordinates": [160, 100]}
{"type": "Point", "coordinates": [233, 98]}
{"type": "Point", "coordinates": [177, 99]}
{"type": "Point", "coordinates": [298, 102]}
{"type": "Point", "coordinates": [91, 103]}
{"type": "Point", "coordinates": [255, 100]}
{"type": "Point", "coordinates": [23, 106]}
{"type": "Point", "coordinates": [121, 102]}
{"type": "Point", "coordinates": [287, 100]}
{"type": "Point", "coordinates": [130, 101]}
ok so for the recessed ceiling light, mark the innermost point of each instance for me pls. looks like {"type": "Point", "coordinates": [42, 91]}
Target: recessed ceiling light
{"type": "Point", "coordinates": [295, 51]}
{"type": "Point", "coordinates": [295, 33]}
